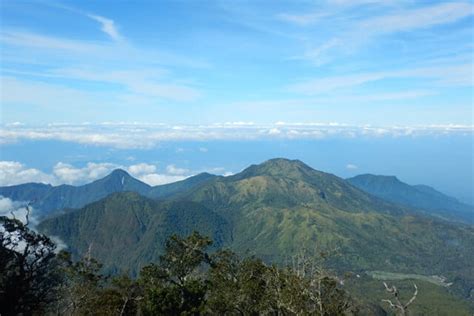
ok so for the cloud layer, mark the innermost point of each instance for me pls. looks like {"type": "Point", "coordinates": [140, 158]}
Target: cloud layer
{"type": "Point", "coordinates": [142, 135]}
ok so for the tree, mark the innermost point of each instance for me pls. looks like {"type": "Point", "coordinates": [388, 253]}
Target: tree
{"type": "Point", "coordinates": [397, 305]}
{"type": "Point", "coordinates": [120, 297]}
{"type": "Point", "coordinates": [81, 287]}
{"type": "Point", "coordinates": [251, 287]}
{"type": "Point", "coordinates": [28, 269]}
{"type": "Point", "coordinates": [175, 286]}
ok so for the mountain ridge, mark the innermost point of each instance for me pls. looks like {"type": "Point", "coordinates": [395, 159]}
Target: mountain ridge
{"type": "Point", "coordinates": [420, 197]}
{"type": "Point", "coordinates": [48, 200]}
{"type": "Point", "coordinates": [280, 208]}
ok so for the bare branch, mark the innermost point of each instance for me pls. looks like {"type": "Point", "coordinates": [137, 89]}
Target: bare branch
{"type": "Point", "coordinates": [398, 304]}
{"type": "Point", "coordinates": [390, 302]}
{"type": "Point", "coordinates": [27, 216]}
{"type": "Point", "coordinates": [413, 297]}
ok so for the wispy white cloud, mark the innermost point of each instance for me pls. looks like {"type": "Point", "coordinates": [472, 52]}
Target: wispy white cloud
{"type": "Point", "coordinates": [149, 82]}
{"type": "Point", "coordinates": [351, 166]}
{"type": "Point", "coordinates": [425, 17]}
{"type": "Point", "coordinates": [136, 89]}
{"type": "Point", "coordinates": [172, 169]}
{"type": "Point", "coordinates": [22, 39]}
{"type": "Point", "coordinates": [347, 32]}
{"type": "Point", "coordinates": [459, 75]}
{"type": "Point", "coordinates": [302, 19]}
{"type": "Point", "coordinates": [362, 2]}
{"type": "Point", "coordinates": [107, 26]}
{"type": "Point", "coordinates": [62, 62]}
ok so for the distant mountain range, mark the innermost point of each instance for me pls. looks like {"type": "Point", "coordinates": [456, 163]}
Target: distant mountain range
{"type": "Point", "coordinates": [420, 197]}
{"type": "Point", "coordinates": [273, 210]}
{"type": "Point", "coordinates": [48, 200]}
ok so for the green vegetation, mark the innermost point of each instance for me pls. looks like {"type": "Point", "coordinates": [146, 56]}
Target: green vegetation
{"type": "Point", "coordinates": [431, 299]}
{"type": "Point", "coordinates": [125, 231]}
{"type": "Point", "coordinates": [187, 280]}
{"type": "Point", "coordinates": [28, 269]}
{"type": "Point", "coordinates": [274, 211]}
{"type": "Point", "coordinates": [420, 197]}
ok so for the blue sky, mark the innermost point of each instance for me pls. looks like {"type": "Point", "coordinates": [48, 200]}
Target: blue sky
{"type": "Point", "coordinates": [354, 62]}
{"type": "Point", "coordinates": [166, 89]}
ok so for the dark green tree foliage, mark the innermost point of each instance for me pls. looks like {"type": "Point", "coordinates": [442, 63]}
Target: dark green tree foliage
{"type": "Point", "coordinates": [176, 286]}
{"type": "Point", "coordinates": [28, 274]}
{"type": "Point", "coordinates": [188, 281]}
{"type": "Point", "coordinates": [81, 288]}
{"type": "Point", "coordinates": [251, 287]}
{"type": "Point", "coordinates": [120, 297]}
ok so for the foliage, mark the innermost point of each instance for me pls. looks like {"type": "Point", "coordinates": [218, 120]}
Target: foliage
{"type": "Point", "coordinates": [274, 210]}
{"type": "Point", "coordinates": [28, 274]}
{"type": "Point", "coordinates": [174, 287]}
{"type": "Point", "coordinates": [127, 231]}
{"type": "Point", "coordinates": [188, 281]}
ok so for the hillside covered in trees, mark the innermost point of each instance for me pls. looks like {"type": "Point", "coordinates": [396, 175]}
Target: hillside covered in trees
{"type": "Point", "coordinates": [281, 214]}
{"type": "Point", "coordinates": [187, 280]}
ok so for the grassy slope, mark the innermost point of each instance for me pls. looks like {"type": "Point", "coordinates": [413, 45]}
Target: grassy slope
{"type": "Point", "coordinates": [126, 230]}
{"type": "Point", "coordinates": [281, 207]}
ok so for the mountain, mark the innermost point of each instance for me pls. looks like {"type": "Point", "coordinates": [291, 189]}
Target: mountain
{"type": "Point", "coordinates": [26, 192]}
{"type": "Point", "coordinates": [47, 199]}
{"type": "Point", "coordinates": [167, 190]}
{"type": "Point", "coordinates": [275, 210]}
{"type": "Point", "coordinates": [126, 230]}
{"type": "Point", "coordinates": [280, 207]}
{"type": "Point", "coordinates": [416, 196]}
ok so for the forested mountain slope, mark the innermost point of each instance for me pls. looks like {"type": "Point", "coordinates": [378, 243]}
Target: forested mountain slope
{"type": "Point", "coordinates": [275, 210]}
{"type": "Point", "coordinates": [416, 196]}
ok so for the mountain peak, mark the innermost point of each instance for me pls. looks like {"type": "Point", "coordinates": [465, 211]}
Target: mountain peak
{"type": "Point", "coordinates": [120, 180]}
{"type": "Point", "coordinates": [280, 166]}
{"type": "Point", "coordinates": [277, 167]}
{"type": "Point", "coordinates": [119, 173]}
{"type": "Point", "coordinates": [118, 177]}
{"type": "Point", "coordinates": [282, 162]}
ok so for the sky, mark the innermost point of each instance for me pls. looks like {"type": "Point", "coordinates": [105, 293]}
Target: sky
{"type": "Point", "coordinates": [142, 78]}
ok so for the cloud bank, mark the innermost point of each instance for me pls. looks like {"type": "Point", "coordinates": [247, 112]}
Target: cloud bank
{"type": "Point", "coordinates": [145, 135]}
